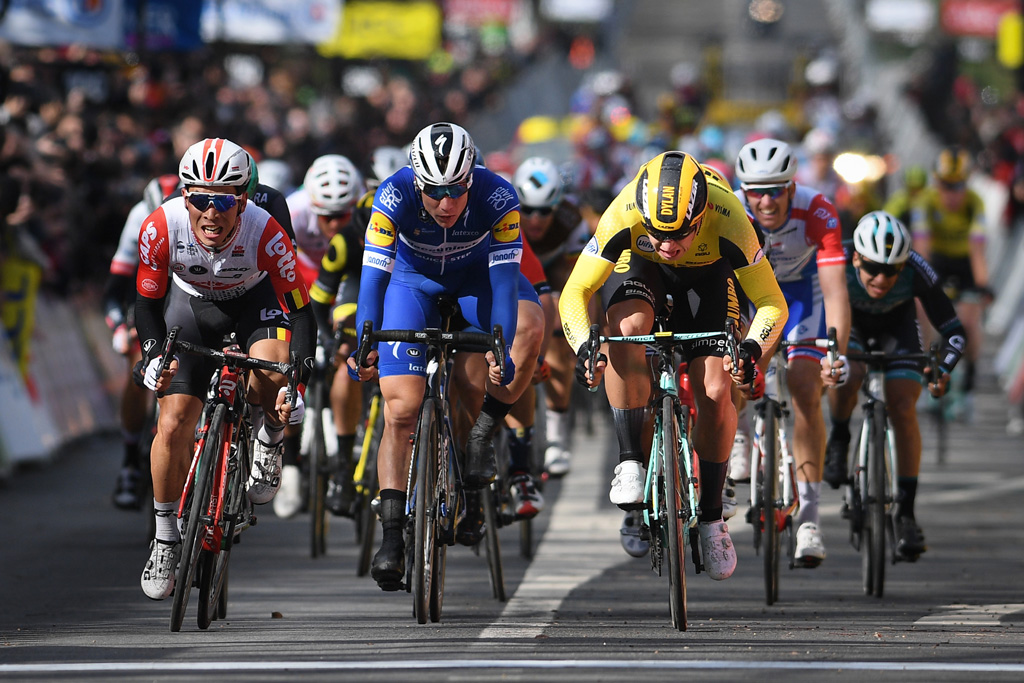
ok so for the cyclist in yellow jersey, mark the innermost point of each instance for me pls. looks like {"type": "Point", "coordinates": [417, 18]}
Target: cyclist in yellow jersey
{"type": "Point", "coordinates": [675, 229]}
{"type": "Point", "coordinates": [948, 223]}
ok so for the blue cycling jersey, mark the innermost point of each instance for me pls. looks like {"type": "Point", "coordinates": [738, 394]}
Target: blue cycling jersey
{"type": "Point", "coordinates": [477, 259]}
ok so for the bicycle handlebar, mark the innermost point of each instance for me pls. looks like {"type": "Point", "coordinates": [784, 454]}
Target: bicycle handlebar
{"type": "Point", "coordinates": [477, 342]}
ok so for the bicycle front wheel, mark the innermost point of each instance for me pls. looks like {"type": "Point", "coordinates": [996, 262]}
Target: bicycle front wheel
{"type": "Point", "coordinates": [491, 501]}
{"type": "Point", "coordinates": [367, 518]}
{"type": "Point", "coordinates": [317, 457]}
{"type": "Point", "coordinates": [426, 452]}
{"type": "Point", "coordinates": [197, 506]}
{"type": "Point", "coordinates": [769, 496]}
{"type": "Point", "coordinates": [670, 514]}
{"type": "Point", "coordinates": [873, 561]}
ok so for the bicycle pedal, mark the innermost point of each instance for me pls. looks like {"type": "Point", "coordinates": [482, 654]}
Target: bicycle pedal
{"type": "Point", "coordinates": [644, 533]}
{"type": "Point", "coordinates": [629, 507]}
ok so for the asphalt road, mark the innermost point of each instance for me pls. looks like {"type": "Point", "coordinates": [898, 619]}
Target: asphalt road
{"type": "Point", "coordinates": [72, 607]}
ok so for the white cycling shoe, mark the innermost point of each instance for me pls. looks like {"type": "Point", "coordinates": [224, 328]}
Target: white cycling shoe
{"type": "Point", "coordinates": [628, 484]}
{"type": "Point", "coordinates": [265, 477]}
{"type": "Point", "coordinates": [717, 549]}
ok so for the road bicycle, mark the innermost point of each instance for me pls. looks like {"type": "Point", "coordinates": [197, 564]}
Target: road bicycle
{"type": "Point", "coordinates": [317, 424]}
{"type": "Point", "coordinates": [671, 489]}
{"type": "Point", "coordinates": [435, 500]}
{"type": "Point", "coordinates": [871, 493]}
{"type": "Point", "coordinates": [774, 500]}
{"type": "Point", "coordinates": [214, 507]}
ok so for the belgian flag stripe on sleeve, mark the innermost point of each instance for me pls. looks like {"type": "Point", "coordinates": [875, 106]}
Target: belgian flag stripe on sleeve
{"type": "Point", "coordinates": [297, 298]}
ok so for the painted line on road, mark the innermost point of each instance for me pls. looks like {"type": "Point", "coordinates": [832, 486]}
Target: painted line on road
{"type": "Point", "coordinates": [972, 615]}
{"type": "Point", "coordinates": [491, 664]}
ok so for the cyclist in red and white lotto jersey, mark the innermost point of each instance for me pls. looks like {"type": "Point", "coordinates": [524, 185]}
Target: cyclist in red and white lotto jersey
{"type": "Point", "coordinates": [803, 243]}
{"type": "Point", "coordinates": [214, 264]}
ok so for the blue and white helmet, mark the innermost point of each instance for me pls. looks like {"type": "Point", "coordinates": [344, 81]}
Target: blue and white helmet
{"type": "Point", "coordinates": [882, 238]}
{"type": "Point", "coordinates": [538, 182]}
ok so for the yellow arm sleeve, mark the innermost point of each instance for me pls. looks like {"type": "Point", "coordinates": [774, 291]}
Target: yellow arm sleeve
{"type": "Point", "coordinates": [589, 273]}
{"type": "Point", "coordinates": [758, 281]}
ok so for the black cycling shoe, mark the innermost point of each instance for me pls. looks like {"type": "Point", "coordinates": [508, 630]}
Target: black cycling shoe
{"type": "Point", "coordinates": [835, 462]}
{"type": "Point", "coordinates": [388, 568]}
{"type": "Point", "coordinates": [909, 540]}
{"type": "Point", "coordinates": [481, 468]}
{"type": "Point", "coordinates": [471, 529]}
{"type": "Point", "coordinates": [340, 496]}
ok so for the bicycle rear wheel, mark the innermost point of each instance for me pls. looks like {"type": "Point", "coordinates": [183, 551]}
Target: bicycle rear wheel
{"type": "Point", "coordinates": [769, 496]}
{"type": "Point", "coordinates": [491, 502]}
{"type": "Point", "coordinates": [671, 503]}
{"type": "Point", "coordinates": [367, 518]}
{"type": "Point", "coordinates": [197, 507]}
{"type": "Point", "coordinates": [873, 563]}
{"type": "Point", "coordinates": [317, 471]}
{"type": "Point", "coordinates": [426, 451]}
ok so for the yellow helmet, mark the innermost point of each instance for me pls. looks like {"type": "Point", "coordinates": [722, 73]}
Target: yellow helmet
{"type": "Point", "coordinates": [953, 165]}
{"type": "Point", "coordinates": [671, 195]}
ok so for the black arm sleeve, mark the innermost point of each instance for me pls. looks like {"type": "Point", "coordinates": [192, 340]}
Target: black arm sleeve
{"type": "Point", "coordinates": [150, 324]}
{"type": "Point", "coordinates": [116, 294]}
{"type": "Point", "coordinates": [303, 341]}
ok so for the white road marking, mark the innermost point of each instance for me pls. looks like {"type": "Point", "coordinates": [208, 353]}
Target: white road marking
{"type": "Point", "coordinates": [971, 615]}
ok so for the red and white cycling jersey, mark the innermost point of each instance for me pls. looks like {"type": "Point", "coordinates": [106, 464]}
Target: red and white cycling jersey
{"type": "Point", "coordinates": [311, 243]}
{"type": "Point", "coordinates": [809, 239]}
{"type": "Point", "coordinates": [259, 248]}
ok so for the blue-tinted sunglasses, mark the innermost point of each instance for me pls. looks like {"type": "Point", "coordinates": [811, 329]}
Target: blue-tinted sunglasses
{"type": "Point", "coordinates": [439, 192]}
{"type": "Point", "coordinates": [771, 192]}
{"type": "Point", "coordinates": [221, 202]}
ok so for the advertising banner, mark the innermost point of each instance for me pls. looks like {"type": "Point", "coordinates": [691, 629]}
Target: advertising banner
{"type": "Point", "coordinates": [93, 23]}
{"type": "Point", "coordinates": [169, 25]}
{"type": "Point", "coordinates": [406, 30]}
{"type": "Point", "coordinates": [269, 22]}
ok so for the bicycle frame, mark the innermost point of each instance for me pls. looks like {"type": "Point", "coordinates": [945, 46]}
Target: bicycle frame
{"type": "Point", "coordinates": [788, 503]}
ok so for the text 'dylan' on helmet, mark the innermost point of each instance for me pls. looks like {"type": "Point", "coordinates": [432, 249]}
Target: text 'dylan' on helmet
{"type": "Point", "coordinates": [765, 162]}
{"type": "Point", "coordinates": [334, 185]}
{"type": "Point", "coordinates": [538, 182]}
{"type": "Point", "coordinates": [882, 238]}
{"type": "Point", "coordinates": [671, 195]}
{"type": "Point", "coordinates": [215, 162]}
{"type": "Point", "coordinates": [443, 154]}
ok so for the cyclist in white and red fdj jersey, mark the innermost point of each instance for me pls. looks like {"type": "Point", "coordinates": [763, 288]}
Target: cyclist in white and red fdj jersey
{"type": "Point", "coordinates": [214, 264]}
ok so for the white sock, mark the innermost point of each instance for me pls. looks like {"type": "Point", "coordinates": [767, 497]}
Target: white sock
{"type": "Point", "coordinates": [167, 521]}
{"type": "Point", "coordinates": [557, 427]}
{"type": "Point", "coordinates": [267, 434]}
{"type": "Point", "coordinates": [809, 494]}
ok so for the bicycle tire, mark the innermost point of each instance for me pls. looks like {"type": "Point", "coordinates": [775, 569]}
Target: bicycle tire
{"type": "Point", "coordinates": [670, 514]}
{"type": "Point", "coordinates": [197, 505]}
{"type": "Point", "coordinates": [426, 451]}
{"type": "Point", "coordinates": [769, 496]}
{"type": "Point", "coordinates": [318, 473]}
{"type": "Point", "coordinates": [215, 568]}
{"type": "Point", "coordinates": [526, 538]}
{"type": "Point", "coordinates": [941, 444]}
{"type": "Point", "coordinates": [874, 566]}
{"type": "Point", "coordinates": [369, 485]}
{"type": "Point", "coordinates": [496, 571]}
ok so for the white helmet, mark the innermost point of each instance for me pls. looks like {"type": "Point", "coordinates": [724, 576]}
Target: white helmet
{"type": "Point", "coordinates": [158, 189]}
{"type": "Point", "coordinates": [385, 162]}
{"type": "Point", "coordinates": [765, 162]}
{"type": "Point", "coordinates": [215, 162]}
{"type": "Point", "coordinates": [882, 238]}
{"type": "Point", "coordinates": [275, 173]}
{"type": "Point", "coordinates": [443, 154]}
{"type": "Point", "coordinates": [538, 183]}
{"type": "Point", "coordinates": [334, 184]}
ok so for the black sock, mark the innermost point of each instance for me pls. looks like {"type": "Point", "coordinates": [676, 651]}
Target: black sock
{"type": "Point", "coordinates": [346, 444]}
{"type": "Point", "coordinates": [841, 429]}
{"type": "Point", "coordinates": [492, 415]}
{"type": "Point", "coordinates": [292, 444]}
{"type": "Point", "coordinates": [970, 368]}
{"type": "Point", "coordinates": [629, 427]}
{"type": "Point", "coordinates": [906, 495]}
{"type": "Point", "coordinates": [392, 512]}
{"type": "Point", "coordinates": [712, 479]}
{"type": "Point", "coordinates": [520, 443]}
{"type": "Point", "coordinates": [131, 455]}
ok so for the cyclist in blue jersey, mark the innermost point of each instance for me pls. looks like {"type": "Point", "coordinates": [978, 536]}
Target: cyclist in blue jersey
{"type": "Point", "coordinates": [443, 226]}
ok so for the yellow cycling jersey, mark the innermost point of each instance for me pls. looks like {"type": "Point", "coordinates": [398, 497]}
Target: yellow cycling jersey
{"type": "Point", "coordinates": [725, 232]}
{"type": "Point", "coordinates": [951, 232]}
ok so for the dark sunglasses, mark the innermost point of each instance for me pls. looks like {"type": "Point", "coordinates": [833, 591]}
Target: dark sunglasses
{"type": "Point", "coordinates": [675, 236]}
{"type": "Point", "coordinates": [887, 269]}
{"type": "Point", "coordinates": [439, 192]}
{"type": "Point", "coordinates": [953, 187]}
{"type": "Point", "coordinates": [770, 192]}
{"type": "Point", "coordinates": [221, 202]}
{"type": "Point", "coordinates": [537, 210]}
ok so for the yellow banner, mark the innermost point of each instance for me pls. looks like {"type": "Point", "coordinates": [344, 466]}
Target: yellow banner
{"type": "Point", "coordinates": [19, 285]}
{"type": "Point", "coordinates": [396, 30]}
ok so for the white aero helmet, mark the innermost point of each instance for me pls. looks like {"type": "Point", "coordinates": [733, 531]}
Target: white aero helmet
{"type": "Point", "coordinates": [765, 162]}
{"type": "Point", "coordinates": [538, 182]}
{"type": "Point", "coordinates": [882, 238]}
{"type": "Point", "coordinates": [215, 162]}
{"type": "Point", "coordinates": [158, 189]}
{"type": "Point", "coordinates": [334, 185]}
{"type": "Point", "coordinates": [385, 162]}
{"type": "Point", "coordinates": [443, 154]}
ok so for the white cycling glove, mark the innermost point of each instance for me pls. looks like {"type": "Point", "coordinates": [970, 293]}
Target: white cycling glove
{"type": "Point", "coordinates": [842, 372]}
{"type": "Point", "coordinates": [298, 411]}
{"type": "Point", "coordinates": [153, 372]}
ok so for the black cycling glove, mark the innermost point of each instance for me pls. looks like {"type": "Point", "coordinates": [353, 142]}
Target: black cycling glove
{"type": "Point", "coordinates": [582, 356]}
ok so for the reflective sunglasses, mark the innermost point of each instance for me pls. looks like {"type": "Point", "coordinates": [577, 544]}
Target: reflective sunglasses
{"type": "Point", "coordinates": [221, 202]}
{"type": "Point", "coordinates": [772, 193]}
{"type": "Point", "coordinates": [887, 269]}
{"type": "Point", "coordinates": [439, 192]}
{"type": "Point", "coordinates": [537, 210]}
